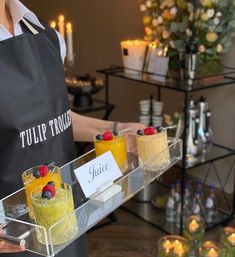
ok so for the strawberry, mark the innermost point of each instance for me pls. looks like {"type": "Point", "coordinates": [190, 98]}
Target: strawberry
{"type": "Point", "coordinates": [43, 169]}
{"type": "Point", "coordinates": [108, 135]}
{"type": "Point", "coordinates": [49, 188]}
{"type": "Point", "coordinates": [149, 131]}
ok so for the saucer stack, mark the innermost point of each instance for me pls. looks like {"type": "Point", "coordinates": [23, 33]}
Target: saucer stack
{"type": "Point", "coordinates": [151, 112]}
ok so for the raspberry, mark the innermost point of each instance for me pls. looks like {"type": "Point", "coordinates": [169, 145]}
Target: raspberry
{"type": "Point", "coordinates": [49, 188]}
{"type": "Point", "coordinates": [43, 169]}
{"type": "Point", "coordinates": [108, 135]}
{"type": "Point", "coordinates": [149, 131]}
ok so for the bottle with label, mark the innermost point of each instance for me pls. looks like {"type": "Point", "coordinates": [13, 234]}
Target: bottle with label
{"type": "Point", "coordinates": [171, 205]}
{"type": "Point", "coordinates": [199, 188]}
{"type": "Point", "coordinates": [197, 208]}
{"type": "Point", "coordinates": [178, 191]}
{"type": "Point", "coordinates": [186, 208]}
{"type": "Point", "coordinates": [211, 208]}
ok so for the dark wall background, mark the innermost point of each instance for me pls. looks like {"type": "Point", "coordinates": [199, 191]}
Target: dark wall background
{"type": "Point", "coordinates": [99, 27]}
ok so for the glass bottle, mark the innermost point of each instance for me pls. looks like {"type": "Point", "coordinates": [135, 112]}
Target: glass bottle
{"type": "Point", "coordinates": [171, 205]}
{"type": "Point", "coordinates": [210, 206]}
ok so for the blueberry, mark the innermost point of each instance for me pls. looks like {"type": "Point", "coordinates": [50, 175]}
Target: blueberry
{"type": "Point", "coordinates": [52, 183]}
{"type": "Point", "coordinates": [99, 137]}
{"type": "Point", "coordinates": [36, 174]}
{"type": "Point", "coordinates": [159, 129]}
{"type": "Point", "coordinates": [115, 132]}
{"type": "Point", "coordinates": [140, 132]}
{"type": "Point", "coordinates": [46, 195]}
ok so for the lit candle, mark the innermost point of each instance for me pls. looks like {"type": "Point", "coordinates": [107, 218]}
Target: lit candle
{"type": "Point", "coordinates": [231, 238]}
{"type": "Point", "coordinates": [212, 253]}
{"type": "Point", "coordinates": [167, 246]}
{"type": "Point", "coordinates": [53, 24]}
{"type": "Point", "coordinates": [193, 226]}
{"type": "Point", "coordinates": [69, 34]}
{"type": "Point", "coordinates": [133, 53]}
{"type": "Point", "coordinates": [179, 250]}
{"type": "Point", "coordinates": [61, 25]}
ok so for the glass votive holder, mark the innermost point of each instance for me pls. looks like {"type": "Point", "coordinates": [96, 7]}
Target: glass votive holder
{"type": "Point", "coordinates": [173, 246]}
{"type": "Point", "coordinates": [210, 249]}
{"type": "Point", "coordinates": [195, 231]}
{"type": "Point", "coordinates": [228, 241]}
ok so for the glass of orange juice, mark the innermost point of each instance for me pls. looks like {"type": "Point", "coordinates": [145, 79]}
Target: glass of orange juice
{"type": "Point", "coordinates": [39, 176]}
{"type": "Point", "coordinates": [114, 142]}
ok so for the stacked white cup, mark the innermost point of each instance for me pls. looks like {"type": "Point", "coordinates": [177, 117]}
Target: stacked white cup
{"type": "Point", "coordinates": [148, 113]}
{"type": "Point", "coordinates": [145, 107]}
{"type": "Point", "coordinates": [157, 118]}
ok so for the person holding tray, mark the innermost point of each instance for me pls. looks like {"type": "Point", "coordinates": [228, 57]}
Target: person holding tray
{"type": "Point", "coordinates": [36, 125]}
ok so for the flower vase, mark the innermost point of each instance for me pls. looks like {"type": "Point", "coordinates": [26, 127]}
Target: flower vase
{"type": "Point", "coordinates": [210, 65]}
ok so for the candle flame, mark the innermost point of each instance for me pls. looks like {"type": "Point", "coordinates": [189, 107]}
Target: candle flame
{"type": "Point", "coordinates": [193, 226]}
{"type": "Point", "coordinates": [212, 253]}
{"type": "Point", "coordinates": [69, 26]}
{"type": "Point", "coordinates": [53, 24]}
{"type": "Point", "coordinates": [61, 18]}
{"type": "Point", "coordinates": [231, 238]}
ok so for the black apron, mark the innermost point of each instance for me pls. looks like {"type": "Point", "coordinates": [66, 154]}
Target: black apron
{"type": "Point", "coordinates": [35, 119]}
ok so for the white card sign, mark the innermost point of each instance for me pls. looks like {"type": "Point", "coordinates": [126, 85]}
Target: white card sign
{"type": "Point", "coordinates": [97, 173]}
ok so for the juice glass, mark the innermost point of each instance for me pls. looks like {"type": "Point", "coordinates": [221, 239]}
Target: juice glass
{"type": "Point", "coordinates": [153, 150]}
{"type": "Point", "coordinates": [118, 148]}
{"type": "Point", "coordinates": [49, 212]}
{"type": "Point", "coordinates": [31, 181]}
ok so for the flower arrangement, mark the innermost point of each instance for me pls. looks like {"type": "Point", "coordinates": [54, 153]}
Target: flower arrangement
{"type": "Point", "coordinates": [207, 25]}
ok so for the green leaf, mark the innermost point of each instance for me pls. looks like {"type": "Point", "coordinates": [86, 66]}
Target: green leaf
{"type": "Point", "coordinates": [174, 27]}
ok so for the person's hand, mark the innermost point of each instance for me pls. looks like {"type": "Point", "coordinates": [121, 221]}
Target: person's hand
{"type": "Point", "coordinates": [131, 134]}
{"type": "Point", "coordinates": [9, 248]}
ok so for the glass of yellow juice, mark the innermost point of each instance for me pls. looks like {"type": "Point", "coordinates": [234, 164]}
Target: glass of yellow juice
{"type": "Point", "coordinates": [115, 143]}
{"type": "Point", "coordinates": [54, 210]}
{"type": "Point", "coordinates": [39, 176]}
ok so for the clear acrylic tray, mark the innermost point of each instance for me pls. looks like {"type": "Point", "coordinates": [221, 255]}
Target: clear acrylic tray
{"type": "Point", "coordinates": [88, 212]}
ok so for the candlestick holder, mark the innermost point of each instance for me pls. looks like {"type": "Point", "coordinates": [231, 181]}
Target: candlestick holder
{"type": "Point", "coordinates": [210, 249]}
{"type": "Point", "coordinates": [173, 246]}
{"type": "Point", "coordinates": [228, 241]}
{"type": "Point", "coordinates": [195, 231]}
{"type": "Point", "coordinates": [70, 61]}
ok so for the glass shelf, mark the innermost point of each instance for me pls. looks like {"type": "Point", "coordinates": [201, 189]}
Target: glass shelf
{"type": "Point", "coordinates": [217, 152]}
{"type": "Point", "coordinates": [88, 212]}
{"type": "Point", "coordinates": [227, 77]}
{"type": "Point", "coordinates": [157, 217]}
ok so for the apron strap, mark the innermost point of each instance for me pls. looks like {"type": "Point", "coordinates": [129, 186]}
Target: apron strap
{"type": "Point", "coordinates": [29, 26]}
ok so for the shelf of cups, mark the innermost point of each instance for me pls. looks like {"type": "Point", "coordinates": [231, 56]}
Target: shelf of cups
{"type": "Point", "coordinates": [172, 81]}
{"type": "Point", "coordinates": [49, 241]}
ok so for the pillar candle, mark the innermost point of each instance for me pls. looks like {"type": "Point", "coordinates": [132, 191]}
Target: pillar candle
{"type": "Point", "coordinates": [61, 25]}
{"type": "Point", "coordinates": [69, 34]}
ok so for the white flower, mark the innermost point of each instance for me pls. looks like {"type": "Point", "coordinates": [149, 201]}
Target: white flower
{"type": "Point", "coordinates": [155, 22]}
{"type": "Point", "coordinates": [173, 10]}
{"type": "Point", "coordinates": [218, 14]}
{"type": "Point", "coordinates": [188, 32]}
{"type": "Point", "coordinates": [143, 8]}
{"type": "Point", "coordinates": [219, 48]}
{"type": "Point", "coordinates": [149, 4]}
{"type": "Point", "coordinates": [201, 49]}
{"type": "Point", "coordinates": [210, 13]}
{"type": "Point", "coordinates": [172, 44]}
{"type": "Point", "coordinates": [160, 20]}
{"type": "Point", "coordinates": [216, 21]}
